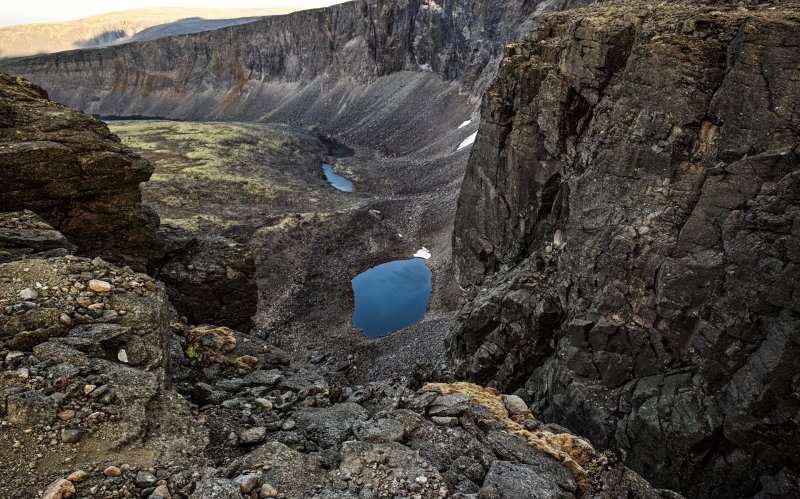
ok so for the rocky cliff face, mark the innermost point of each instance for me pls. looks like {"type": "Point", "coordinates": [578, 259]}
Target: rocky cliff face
{"type": "Point", "coordinates": [69, 169]}
{"type": "Point", "coordinates": [290, 68]}
{"type": "Point", "coordinates": [628, 230]}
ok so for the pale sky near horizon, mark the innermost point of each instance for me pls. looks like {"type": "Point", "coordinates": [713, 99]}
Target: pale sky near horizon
{"type": "Point", "coordinates": [59, 10]}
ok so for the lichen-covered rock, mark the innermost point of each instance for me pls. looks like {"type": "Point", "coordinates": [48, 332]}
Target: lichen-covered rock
{"type": "Point", "coordinates": [69, 169]}
{"type": "Point", "coordinates": [628, 231]}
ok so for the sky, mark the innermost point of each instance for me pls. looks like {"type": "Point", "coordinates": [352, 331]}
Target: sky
{"type": "Point", "coordinates": [21, 12]}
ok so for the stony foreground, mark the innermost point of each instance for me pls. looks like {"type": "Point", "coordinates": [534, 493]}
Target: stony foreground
{"type": "Point", "coordinates": [103, 395]}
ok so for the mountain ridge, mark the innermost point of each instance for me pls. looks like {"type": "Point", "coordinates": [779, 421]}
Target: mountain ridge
{"type": "Point", "coordinates": [21, 40]}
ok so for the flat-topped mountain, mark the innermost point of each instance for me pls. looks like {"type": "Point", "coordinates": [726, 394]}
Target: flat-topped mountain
{"type": "Point", "coordinates": [121, 27]}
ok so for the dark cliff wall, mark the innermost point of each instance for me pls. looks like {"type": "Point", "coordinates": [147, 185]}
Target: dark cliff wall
{"type": "Point", "coordinates": [629, 231]}
{"type": "Point", "coordinates": [308, 67]}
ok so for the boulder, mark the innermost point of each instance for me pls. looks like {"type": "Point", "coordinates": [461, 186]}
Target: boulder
{"type": "Point", "coordinates": [70, 170]}
{"type": "Point", "coordinates": [31, 408]}
{"type": "Point", "coordinates": [507, 480]}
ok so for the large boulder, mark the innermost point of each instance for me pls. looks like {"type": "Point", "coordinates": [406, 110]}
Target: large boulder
{"type": "Point", "coordinates": [628, 232]}
{"type": "Point", "coordinates": [69, 169]}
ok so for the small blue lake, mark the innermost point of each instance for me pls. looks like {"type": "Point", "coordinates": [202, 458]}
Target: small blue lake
{"type": "Point", "coordinates": [391, 296]}
{"type": "Point", "coordinates": [336, 180]}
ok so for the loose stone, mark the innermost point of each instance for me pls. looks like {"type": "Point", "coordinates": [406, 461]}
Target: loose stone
{"type": "Point", "coordinates": [99, 286]}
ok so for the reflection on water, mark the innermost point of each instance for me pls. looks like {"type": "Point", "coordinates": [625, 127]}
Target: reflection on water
{"type": "Point", "coordinates": [391, 296]}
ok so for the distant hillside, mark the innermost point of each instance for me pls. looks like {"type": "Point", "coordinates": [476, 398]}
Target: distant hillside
{"type": "Point", "coordinates": [121, 27]}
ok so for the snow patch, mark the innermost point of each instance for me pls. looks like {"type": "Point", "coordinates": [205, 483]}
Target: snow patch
{"type": "Point", "coordinates": [423, 253]}
{"type": "Point", "coordinates": [466, 123]}
{"type": "Point", "coordinates": [468, 141]}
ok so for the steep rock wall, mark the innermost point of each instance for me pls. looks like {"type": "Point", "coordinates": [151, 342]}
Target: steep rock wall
{"type": "Point", "coordinates": [307, 67]}
{"type": "Point", "coordinates": [628, 232]}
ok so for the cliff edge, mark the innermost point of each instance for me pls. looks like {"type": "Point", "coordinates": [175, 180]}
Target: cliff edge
{"type": "Point", "coordinates": [628, 232]}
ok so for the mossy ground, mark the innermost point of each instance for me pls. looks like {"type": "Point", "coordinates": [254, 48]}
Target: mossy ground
{"type": "Point", "coordinates": [225, 177]}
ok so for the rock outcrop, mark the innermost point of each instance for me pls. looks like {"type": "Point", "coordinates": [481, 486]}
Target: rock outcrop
{"type": "Point", "coordinates": [210, 280]}
{"type": "Point", "coordinates": [23, 234]}
{"type": "Point", "coordinates": [628, 232]}
{"type": "Point", "coordinates": [69, 169]}
{"type": "Point", "coordinates": [84, 352]}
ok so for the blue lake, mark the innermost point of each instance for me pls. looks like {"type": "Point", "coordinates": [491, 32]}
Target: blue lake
{"type": "Point", "coordinates": [337, 180]}
{"type": "Point", "coordinates": [391, 296]}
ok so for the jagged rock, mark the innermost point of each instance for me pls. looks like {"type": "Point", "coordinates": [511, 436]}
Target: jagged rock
{"type": "Point", "coordinates": [381, 430]}
{"type": "Point", "coordinates": [268, 490]}
{"type": "Point", "coordinates": [145, 479]}
{"type": "Point", "coordinates": [218, 488]}
{"type": "Point", "coordinates": [449, 405]}
{"type": "Point", "coordinates": [510, 447]}
{"type": "Point", "coordinates": [253, 435]}
{"type": "Point", "coordinates": [627, 229]}
{"type": "Point", "coordinates": [263, 378]}
{"type": "Point", "coordinates": [76, 392]}
{"type": "Point", "coordinates": [248, 481]}
{"type": "Point", "coordinates": [59, 489]}
{"type": "Point", "coordinates": [161, 492]}
{"type": "Point", "coordinates": [288, 471]}
{"type": "Point", "coordinates": [210, 280]}
{"type": "Point", "coordinates": [509, 480]}
{"type": "Point", "coordinates": [69, 169]}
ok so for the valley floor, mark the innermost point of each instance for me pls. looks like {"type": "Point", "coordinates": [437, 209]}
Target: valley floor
{"type": "Point", "coordinates": [263, 185]}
